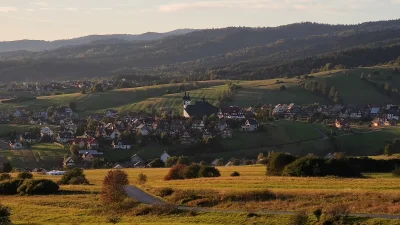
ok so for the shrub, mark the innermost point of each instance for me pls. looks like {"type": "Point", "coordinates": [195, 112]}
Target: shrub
{"type": "Point", "coordinates": [7, 167]}
{"type": "Point", "coordinates": [38, 187]}
{"type": "Point", "coordinates": [317, 213]}
{"type": "Point", "coordinates": [142, 178]}
{"type": "Point", "coordinates": [183, 160]}
{"type": "Point", "coordinates": [10, 187]}
{"type": "Point", "coordinates": [164, 192]}
{"type": "Point", "coordinates": [25, 175]}
{"type": "Point", "coordinates": [396, 171]}
{"type": "Point", "coordinates": [209, 171]}
{"type": "Point", "coordinates": [5, 176]}
{"type": "Point", "coordinates": [191, 171]}
{"type": "Point", "coordinates": [235, 174]}
{"type": "Point", "coordinates": [176, 172]}
{"type": "Point", "coordinates": [156, 163]}
{"type": "Point", "coordinates": [5, 214]}
{"type": "Point", "coordinates": [337, 214]}
{"type": "Point", "coordinates": [113, 187]}
{"type": "Point", "coordinates": [73, 176]}
{"type": "Point", "coordinates": [278, 162]}
{"type": "Point", "coordinates": [300, 218]}
{"type": "Point", "coordinates": [78, 180]}
{"type": "Point", "coordinates": [171, 161]}
{"type": "Point", "coordinates": [316, 167]}
{"type": "Point", "coordinates": [157, 209]}
{"type": "Point", "coordinates": [113, 219]}
{"type": "Point", "coordinates": [262, 195]}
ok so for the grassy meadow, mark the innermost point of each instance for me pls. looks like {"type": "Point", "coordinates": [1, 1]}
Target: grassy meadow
{"type": "Point", "coordinates": [378, 193]}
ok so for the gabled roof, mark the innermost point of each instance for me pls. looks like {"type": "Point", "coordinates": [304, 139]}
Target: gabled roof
{"type": "Point", "coordinates": [200, 109]}
{"type": "Point", "coordinates": [253, 122]}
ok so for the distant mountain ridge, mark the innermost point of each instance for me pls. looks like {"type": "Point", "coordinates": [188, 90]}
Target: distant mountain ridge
{"type": "Point", "coordinates": [227, 53]}
{"type": "Point", "coordinates": [40, 45]}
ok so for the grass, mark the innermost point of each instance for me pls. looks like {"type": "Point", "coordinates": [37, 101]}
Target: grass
{"type": "Point", "coordinates": [378, 194]}
{"type": "Point", "coordinates": [99, 102]}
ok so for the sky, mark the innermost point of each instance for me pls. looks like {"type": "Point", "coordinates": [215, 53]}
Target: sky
{"type": "Point", "coordinates": [64, 19]}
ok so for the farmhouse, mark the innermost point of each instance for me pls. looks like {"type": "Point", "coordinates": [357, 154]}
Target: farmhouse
{"type": "Point", "coordinates": [69, 162]}
{"type": "Point", "coordinates": [15, 145]}
{"type": "Point", "coordinates": [90, 157]}
{"type": "Point", "coordinates": [232, 112]}
{"type": "Point", "coordinates": [343, 124]}
{"type": "Point", "coordinates": [164, 157]}
{"type": "Point", "coordinates": [28, 137]}
{"type": "Point", "coordinates": [250, 125]}
{"type": "Point", "coordinates": [64, 137]}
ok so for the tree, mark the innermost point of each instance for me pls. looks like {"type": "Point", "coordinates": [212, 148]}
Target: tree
{"type": "Point", "coordinates": [5, 214]}
{"type": "Point", "coordinates": [388, 149]}
{"type": "Point", "coordinates": [113, 187]}
{"type": "Point", "coordinates": [7, 168]}
{"type": "Point", "coordinates": [332, 92]}
{"type": "Point", "coordinates": [282, 88]}
{"type": "Point", "coordinates": [183, 160]}
{"type": "Point", "coordinates": [74, 149]}
{"type": "Point", "coordinates": [156, 163]}
{"type": "Point", "coordinates": [96, 88]}
{"type": "Point", "coordinates": [278, 162]}
{"type": "Point", "coordinates": [171, 161]}
{"type": "Point", "coordinates": [73, 176]}
{"type": "Point", "coordinates": [260, 156]}
{"type": "Point", "coordinates": [142, 178]}
{"type": "Point", "coordinates": [72, 105]}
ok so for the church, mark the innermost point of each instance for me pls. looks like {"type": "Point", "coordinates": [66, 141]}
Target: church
{"type": "Point", "coordinates": [199, 109]}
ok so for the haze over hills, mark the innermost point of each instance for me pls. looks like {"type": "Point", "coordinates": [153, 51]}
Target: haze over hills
{"type": "Point", "coordinates": [228, 53]}
{"type": "Point", "coordinates": [40, 45]}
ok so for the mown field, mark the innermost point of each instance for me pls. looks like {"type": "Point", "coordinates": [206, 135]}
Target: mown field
{"type": "Point", "coordinates": [99, 102]}
{"type": "Point", "coordinates": [378, 193]}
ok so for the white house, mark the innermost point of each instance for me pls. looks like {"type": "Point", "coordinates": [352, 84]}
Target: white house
{"type": "Point", "coordinates": [142, 129]}
{"type": "Point", "coordinates": [69, 162]}
{"type": "Point", "coordinates": [251, 125]}
{"type": "Point", "coordinates": [164, 157]}
{"type": "Point", "coordinates": [16, 145]}
{"type": "Point", "coordinates": [121, 145]}
{"type": "Point", "coordinates": [46, 131]}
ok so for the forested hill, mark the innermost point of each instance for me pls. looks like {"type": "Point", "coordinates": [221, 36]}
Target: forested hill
{"type": "Point", "coordinates": [39, 45]}
{"type": "Point", "coordinates": [233, 52]}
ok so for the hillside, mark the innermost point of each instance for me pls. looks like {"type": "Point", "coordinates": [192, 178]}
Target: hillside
{"type": "Point", "coordinates": [38, 45]}
{"type": "Point", "coordinates": [228, 53]}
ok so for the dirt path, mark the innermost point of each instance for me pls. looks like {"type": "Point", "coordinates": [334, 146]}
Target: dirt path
{"type": "Point", "coordinates": [143, 197]}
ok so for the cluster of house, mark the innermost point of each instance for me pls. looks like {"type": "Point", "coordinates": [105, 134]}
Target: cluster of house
{"type": "Point", "coordinates": [380, 115]}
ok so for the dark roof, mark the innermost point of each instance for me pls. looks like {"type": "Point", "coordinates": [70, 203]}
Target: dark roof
{"type": "Point", "coordinates": [253, 122]}
{"type": "Point", "coordinates": [200, 109]}
{"type": "Point", "coordinates": [66, 135]}
{"type": "Point", "coordinates": [186, 97]}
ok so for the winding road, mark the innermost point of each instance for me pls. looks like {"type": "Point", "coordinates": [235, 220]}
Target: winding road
{"type": "Point", "coordinates": [143, 197]}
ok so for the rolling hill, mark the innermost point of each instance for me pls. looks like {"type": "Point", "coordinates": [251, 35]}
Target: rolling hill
{"type": "Point", "coordinates": [229, 53]}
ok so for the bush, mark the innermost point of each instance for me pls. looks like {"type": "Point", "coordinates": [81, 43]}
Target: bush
{"type": "Point", "coordinates": [73, 176]}
{"type": "Point", "coordinates": [171, 161]}
{"type": "Point", "coordinates": [337, 214]}
{"type": "Point", "coordinates": [156, 163]}
{"type": "Point", "coordinates": [317, 213]}
{"type": "Point", "coordinates": [142, 178]}
{"type": "Point", "coordinates": [278, 162]}
{"type": "Point", "coordinates": [183, 160]}
{"type": "Point", "coordinates": [235, 174]}
{"type": "Point", "coordinates": [191, 171]}
{"type": "Point", "coordinates": [5, 214]}
{"type": "Point", "coordinates": [113, 187]}
{"type": "Point", "coordinates": [300, 218]}
{"type": "Point", "coordinates": [396, 171]}
{"type": "Point", "coordinates": [5, 176]}
{"type": "Point", "coordinates": [10, 187]}
{"type": "Point", "coordinates": [25, 175]}
{"type": "Point", "coordinates": [78, 180]}
{"type": "Point", "coordinates": [157, 209]}
{"type": "Point", "coordinates": [311, 166]}
{"type": "Point", "coordinates": [164, 192]}
{"type": "Point", "coordinates": [263, 195]}
{"type": "Point", "coordinates": [176, 172]}
{"type": "Point", "coordinates": [38, 187]}
{"type": "Point", "coordinates": [209, 171]}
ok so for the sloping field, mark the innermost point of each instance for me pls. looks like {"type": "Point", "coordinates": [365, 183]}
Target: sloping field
{"type": "Point", "coordinates": [95, 102]}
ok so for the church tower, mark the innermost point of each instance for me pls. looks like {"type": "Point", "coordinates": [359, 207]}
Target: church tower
{"type": "Point", "coordinates": [186, 100]}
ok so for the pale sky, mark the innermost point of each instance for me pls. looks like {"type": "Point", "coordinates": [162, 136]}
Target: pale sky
{"type": "Point", "coordinates": [62, 19]}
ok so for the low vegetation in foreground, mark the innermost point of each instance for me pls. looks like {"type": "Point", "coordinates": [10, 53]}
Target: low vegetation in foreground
{"type": "Point", "coordinates": [252, 191]}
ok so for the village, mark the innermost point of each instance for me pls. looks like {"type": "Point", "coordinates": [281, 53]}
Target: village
{"type": "Point", "coordinates": [200, 122]}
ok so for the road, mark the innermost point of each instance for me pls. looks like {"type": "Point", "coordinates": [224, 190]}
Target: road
{"type": "Point", "coordinates": [143, 197]}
